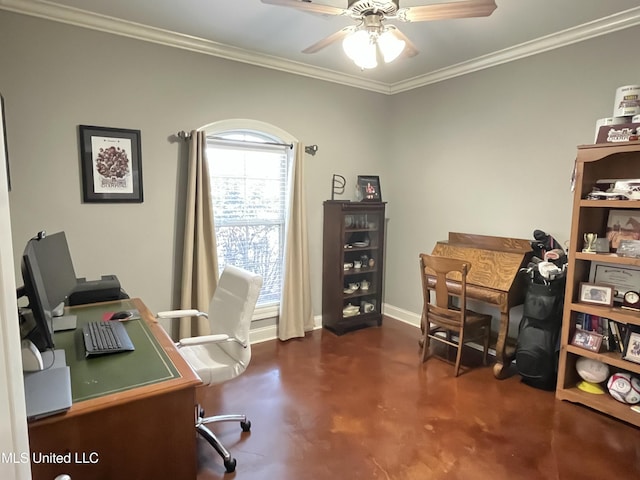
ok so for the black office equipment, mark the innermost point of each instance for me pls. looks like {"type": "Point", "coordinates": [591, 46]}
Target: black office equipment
{"type": "Point", "coordinates": [35, 321]}
{"type": "Point", "coordinates": [105, 337]}
{"type": "Point", "coordinates": [50, 256]}
{"type": "Point", "coordinates": [92, 291]}
{"type": "Point", "coordinates": [56, 267]}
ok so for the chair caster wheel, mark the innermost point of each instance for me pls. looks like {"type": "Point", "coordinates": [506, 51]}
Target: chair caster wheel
{"type": "Point", "coordinates": [230, 465]}
{"type": "Point", "coordinates": [246, 426]}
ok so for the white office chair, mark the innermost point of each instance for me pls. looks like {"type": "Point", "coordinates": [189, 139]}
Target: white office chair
{"type": "Point", "coordinates": [225, 353]}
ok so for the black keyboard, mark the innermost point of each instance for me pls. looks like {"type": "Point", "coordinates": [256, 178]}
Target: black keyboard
{"type": "Point", "coordinates": [105, 337]}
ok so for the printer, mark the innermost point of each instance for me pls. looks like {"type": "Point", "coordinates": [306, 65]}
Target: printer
{"type": "Point", "coordinates": [93, 291]}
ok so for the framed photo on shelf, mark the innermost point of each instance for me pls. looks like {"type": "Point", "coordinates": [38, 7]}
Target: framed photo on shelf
{"type": "Point", "coordinates": [622, 277]}
{"type": "Point", "coordinates": [111, 165]}
{"type": "Point", "coordinates": [369, 186]}
{"type": "Point", "coordinates": [632, 344]}
{"type": "Point", "coordinates": [596, 293]}
{"type": "Point", "coordinates": [623, 225]}
{"type": "Point", "coordinates": [588, 340]}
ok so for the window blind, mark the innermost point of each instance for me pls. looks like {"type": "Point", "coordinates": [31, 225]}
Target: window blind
{"type": "Point", "coordinates": [249, 197]}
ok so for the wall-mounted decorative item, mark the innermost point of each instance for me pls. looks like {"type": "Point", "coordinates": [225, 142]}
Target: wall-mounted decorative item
{"type": "Point", "coordinates": [4, 136]}
{"type": "Point", "coordinates": [111, 164]}
{"type": "Point", "coordinates": [338, 183]}
{"type": "Point", "coordinates": [369, 186]}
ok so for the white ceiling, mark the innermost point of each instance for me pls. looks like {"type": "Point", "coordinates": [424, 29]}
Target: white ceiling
{"type": "Point", "coordinates": [274, 36]}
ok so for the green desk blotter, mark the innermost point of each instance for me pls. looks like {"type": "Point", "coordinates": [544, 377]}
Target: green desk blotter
{"type": "Point", "coordinates": [117, 372]}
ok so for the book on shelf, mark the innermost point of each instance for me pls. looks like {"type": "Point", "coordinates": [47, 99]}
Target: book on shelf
{"type": "Point", "coordinates": [606, 337]}
{"type": "Point", "coordinates": [613, 333]}
{"type": "Point", "coordinates": [590, 323]}
{"type": "Point", "coordinates": [618, 342]}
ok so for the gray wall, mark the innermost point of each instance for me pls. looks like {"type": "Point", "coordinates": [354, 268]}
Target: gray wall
{"type": "Point", "coordinates": [488, 153]}
{"type": "Point", "coordinates": [492, 152]}
{"type": "Point", "coordinates": [55, 77]}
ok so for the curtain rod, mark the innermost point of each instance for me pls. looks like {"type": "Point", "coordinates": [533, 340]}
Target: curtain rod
{"type": "Point", "coordinates": [310, 149]}
{"type": "Point", "coordinates": [248, 142]}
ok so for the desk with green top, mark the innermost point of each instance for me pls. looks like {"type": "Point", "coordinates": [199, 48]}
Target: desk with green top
{"type": "Point", "coordinates": [133, 413]}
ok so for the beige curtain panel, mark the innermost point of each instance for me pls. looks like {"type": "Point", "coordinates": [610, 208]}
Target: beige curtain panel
{"type": "Point", "coordinates": [296, 315]}
{"type": "Point", "coordinates": [200, 259]}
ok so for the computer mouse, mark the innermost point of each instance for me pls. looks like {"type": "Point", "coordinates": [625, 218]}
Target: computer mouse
{"type": "Point", "coordinates": [121, 315]}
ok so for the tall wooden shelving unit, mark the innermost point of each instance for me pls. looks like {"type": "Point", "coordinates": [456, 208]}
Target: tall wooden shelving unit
{"type": "Point", "coordinates": [352, 231]}
{"type": "Point", "coordinates": [594, 162]}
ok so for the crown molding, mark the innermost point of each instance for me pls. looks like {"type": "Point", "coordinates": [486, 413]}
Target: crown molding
{"type": "Point", "coordinates": [103, 23]}
{"type": "Point", "coordinates": [603, 26]}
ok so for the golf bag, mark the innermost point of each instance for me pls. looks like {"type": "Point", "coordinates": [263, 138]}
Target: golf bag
{"type": "Point", "coordinates": [539, 331]}
{"type": "Point", "coordinates": [538, 335]}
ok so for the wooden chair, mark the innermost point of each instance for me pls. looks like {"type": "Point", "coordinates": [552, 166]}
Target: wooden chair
{"type": "Point", "coordinates": [439, 274]}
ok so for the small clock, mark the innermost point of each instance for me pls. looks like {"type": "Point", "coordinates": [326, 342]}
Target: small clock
{"type": "Point", "coordinates": [631, 300]}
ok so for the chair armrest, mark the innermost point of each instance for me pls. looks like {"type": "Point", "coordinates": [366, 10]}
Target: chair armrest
{"type": "Point", "coordinates": [218, 338]}
{"type": "Point", "coordinates": [180, 314]}
{"type": "Point", "coordinates": [188, 342]}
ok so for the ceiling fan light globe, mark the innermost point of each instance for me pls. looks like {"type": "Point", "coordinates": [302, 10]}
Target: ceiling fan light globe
{"type": "Point", "coordinates": [354, 44]}
{"type": "Point", "coordinates": [367, 62]}
{"type": "Point", "coordinates": [360, 49]}
{"type": "Point", "coordinates": [390, 46]}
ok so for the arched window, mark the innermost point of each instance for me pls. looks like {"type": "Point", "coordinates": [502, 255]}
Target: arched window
{"type": "Point", "coordinates": [249, 172]}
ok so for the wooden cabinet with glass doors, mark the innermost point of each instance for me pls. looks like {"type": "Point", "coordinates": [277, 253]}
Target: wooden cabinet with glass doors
{"type": "Point", "coordinates": [594, 163]}
{"type": "Point", "coordinates": [352, 264]}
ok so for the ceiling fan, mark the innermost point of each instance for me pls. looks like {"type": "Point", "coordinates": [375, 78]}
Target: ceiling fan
{"type": "Point", "coordinates": [371, 37]}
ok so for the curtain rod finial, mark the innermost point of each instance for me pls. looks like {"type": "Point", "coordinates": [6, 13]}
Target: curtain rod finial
{"type": "Point", "coordinates": [311, 149]}
{"type": "Point", "coordinates": [182, 135]}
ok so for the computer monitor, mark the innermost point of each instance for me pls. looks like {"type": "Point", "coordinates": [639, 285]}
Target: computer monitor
{"type": "Point", "coordinates": [36, 326]}
{"type": "Point", "coordinates": [56, 267]}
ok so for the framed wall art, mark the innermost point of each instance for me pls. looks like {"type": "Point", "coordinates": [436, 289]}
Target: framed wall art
{"type": "Point", "coordinates": [369, 186]}
{"type": "Point", "coordinates": [3, 126]}
{"type": "Point", "coordinates": [111, 164]}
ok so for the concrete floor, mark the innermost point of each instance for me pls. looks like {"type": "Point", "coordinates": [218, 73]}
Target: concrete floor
{"type": "Point", "coordinates": [362, 406]}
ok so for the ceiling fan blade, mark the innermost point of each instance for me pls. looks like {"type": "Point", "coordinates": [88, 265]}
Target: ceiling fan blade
{"type": "Point", "coordinates": [334, 37]}
{"type": "Point", "coordinates": [308, 6]}
{"type": "Point", "coordinates": [410, 50]}
{"type": "Point", "coordinates": [441, 11]}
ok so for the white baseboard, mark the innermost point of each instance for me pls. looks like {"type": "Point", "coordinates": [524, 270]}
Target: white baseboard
{"type": "Point", "coordinates": [270, 332]}
{"type": "Point", "coordinates": [414, 320]}
{"type": "Point", "coordinates": [402, 315]}
{"type": "Point", "coordinates": [264, 334]}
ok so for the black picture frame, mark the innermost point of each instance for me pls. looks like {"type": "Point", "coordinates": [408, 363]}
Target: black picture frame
{"type": "Point", "coordinates": [111, 165]}
{"type": "Point", "coordinates": [4, 136]}
{"type": "Point", "coordinates": [369, 186]}
{"type": "Point", "coordinates": [632, 344]}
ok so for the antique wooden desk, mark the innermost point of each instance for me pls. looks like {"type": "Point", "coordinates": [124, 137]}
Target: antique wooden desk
{"type": "Point", "coordinates": [133, 413]}
{"type": "Point", "coordinates": [493, 278]}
